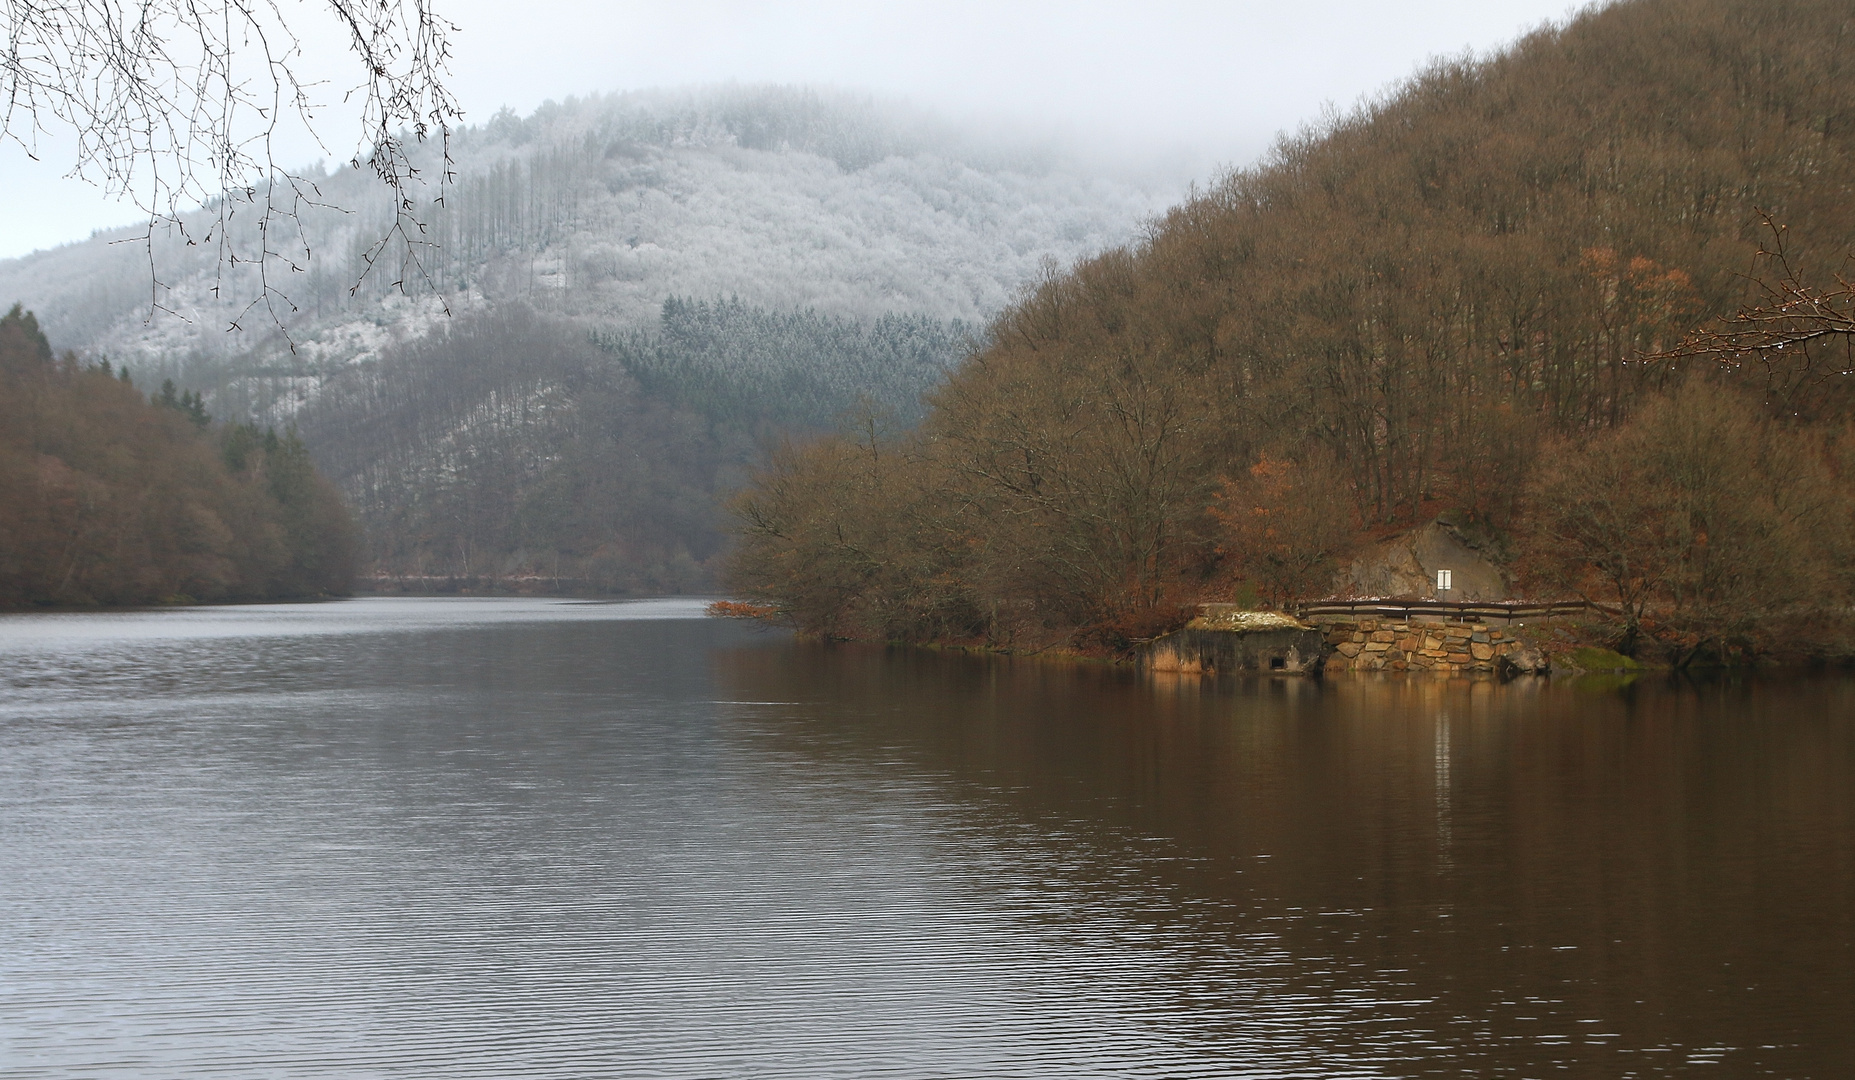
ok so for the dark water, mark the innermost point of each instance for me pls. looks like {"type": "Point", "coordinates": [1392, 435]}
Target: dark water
{"type": "Point", "coordinates": [416, 838]}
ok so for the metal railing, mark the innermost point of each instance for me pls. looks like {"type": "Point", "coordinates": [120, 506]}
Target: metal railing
{"type": "Point", "coordinates": [1447, 610]}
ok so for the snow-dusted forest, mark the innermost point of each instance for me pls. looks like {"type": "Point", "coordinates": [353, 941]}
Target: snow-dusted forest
{"type": "Point", "coordinates": [601, 209]}
{"type": "Point", "coordinates": [751, 260]}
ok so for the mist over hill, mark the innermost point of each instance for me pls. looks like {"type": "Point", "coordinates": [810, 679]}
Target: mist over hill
{"type": "Point", "coordinates": [618, 303]}
{"type": "Point", "coordinates": [601, 209]}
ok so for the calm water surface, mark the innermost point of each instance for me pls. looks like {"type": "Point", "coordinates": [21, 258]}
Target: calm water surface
{"type": "Point", "coordinates": [519, 838]}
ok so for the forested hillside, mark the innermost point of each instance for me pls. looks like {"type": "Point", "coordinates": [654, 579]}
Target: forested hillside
{"type": "Point", "coordinates": [642, 290]}
{"type": "Point", "coordinates": [789, 369]}
{"type": "Point", "coordinates": [1446, 301]}
{"type": "Point", "coordinates": [107, 497]}
{"type": "Point", "coordinates": [513, 448]}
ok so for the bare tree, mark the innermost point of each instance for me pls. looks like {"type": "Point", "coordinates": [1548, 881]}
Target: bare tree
{"type": "Point", "coordinates": [1802, 336]}
{"type": "Point", "coordinates": [1697, 511]}
{"type": "Point", "coordinates": [180, 103]}
{"type": "Point", "coordinates": [1285, 525]}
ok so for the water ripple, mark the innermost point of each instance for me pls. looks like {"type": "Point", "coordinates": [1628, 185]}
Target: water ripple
{"type": "Point", "coordinates": [525, 838]}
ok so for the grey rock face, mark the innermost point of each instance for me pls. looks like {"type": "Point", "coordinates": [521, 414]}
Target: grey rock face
{"type": "Point", "coordinates": [1405, 566]}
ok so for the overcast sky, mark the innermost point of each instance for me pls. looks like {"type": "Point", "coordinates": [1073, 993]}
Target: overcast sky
{"type": "Point", "coordinates": [1198, 83]}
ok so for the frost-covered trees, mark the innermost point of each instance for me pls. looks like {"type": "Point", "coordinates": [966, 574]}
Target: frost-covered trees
{"type": "Point", "coordinates": [804, 369]}
{"type": "Point", "coordinates": [602, 208]}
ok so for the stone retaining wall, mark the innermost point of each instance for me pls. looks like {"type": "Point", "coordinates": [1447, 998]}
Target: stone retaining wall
{"type": "Point", "coordinates": [1399, 645]}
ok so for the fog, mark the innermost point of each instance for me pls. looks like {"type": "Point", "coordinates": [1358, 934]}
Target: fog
{"type": "Point", "coordinates": [1177, 88]}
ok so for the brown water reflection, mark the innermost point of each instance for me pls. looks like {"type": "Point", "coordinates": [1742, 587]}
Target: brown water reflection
{"type": "Point", "coordinates": [413, 838]}
{"type": "Point", "coordinates": [1518, 879]}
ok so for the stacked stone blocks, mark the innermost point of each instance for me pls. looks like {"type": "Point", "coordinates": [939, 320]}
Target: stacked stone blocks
{"type": "Point", "coordinates": [1413, 645]}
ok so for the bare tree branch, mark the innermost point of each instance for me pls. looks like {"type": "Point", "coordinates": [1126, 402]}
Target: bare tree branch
{"type": "Point", "coordinates": [179, 104]}
{"type": "Point", "coordinates": [1800, 334]}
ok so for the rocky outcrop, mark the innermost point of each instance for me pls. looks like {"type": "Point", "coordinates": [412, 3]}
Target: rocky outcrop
{"type": "Point", "coordinates": [1406, 565]}
{"type": "Point", "coordinates": [1524, 660]}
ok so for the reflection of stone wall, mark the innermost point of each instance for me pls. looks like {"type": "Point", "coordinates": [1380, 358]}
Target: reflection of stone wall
{"type": "Point", "coordinates": [1396, 645]}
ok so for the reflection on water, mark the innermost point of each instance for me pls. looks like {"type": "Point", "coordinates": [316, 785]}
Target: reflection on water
{"type": "Point", "coordinates": [433, 838]}
{"type": "Point", "coordinates": [1443, 838]}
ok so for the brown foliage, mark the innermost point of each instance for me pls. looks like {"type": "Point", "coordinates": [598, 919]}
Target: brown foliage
{"type": "Point", "coordinates": [1702, 511]}
{"type": "Point", "coordinates": [845, 540]}
{"type": "Point", "coordinates": [1285, 526]}
{"type": "Point", "coordinates": [107, 498]}
{"type": "Point", "coordinates": [734, 609]}
{"type": "Point", "coordinates": [1436, 293]}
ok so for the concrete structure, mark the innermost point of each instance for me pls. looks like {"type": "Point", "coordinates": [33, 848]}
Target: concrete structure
{"type": "Point", "coordinates": [1227, 640]}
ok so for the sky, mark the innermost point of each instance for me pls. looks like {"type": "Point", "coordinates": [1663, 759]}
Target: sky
{"type": "Point", "coordinates": [1191, 84]}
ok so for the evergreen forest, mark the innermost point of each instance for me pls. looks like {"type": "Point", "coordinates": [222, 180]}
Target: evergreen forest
{"type": "Point", "coordinates": [1586, 299]}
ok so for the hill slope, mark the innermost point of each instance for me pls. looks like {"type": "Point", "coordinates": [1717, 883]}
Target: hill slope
{"type": "Point", "coordinates": [749, 259]}
{"type": "Point", "coordinates": [1439, 302]}
{"type": "Point", "coordinates": [602, 209]}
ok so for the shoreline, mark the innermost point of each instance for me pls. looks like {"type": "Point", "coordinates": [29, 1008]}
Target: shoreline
{"type": "Point", "coordinates": [1554, 647]}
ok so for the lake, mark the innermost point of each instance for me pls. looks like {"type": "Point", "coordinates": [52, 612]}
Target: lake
{"type": "Point", "coordinates": [539, 838]}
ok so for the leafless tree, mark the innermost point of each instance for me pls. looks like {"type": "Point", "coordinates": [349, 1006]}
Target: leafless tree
{"type": "Point", "coordinates": [180, 103]}
{"type": "Point", "coordinates": [1801, 335]}
{"type": "Point", "coordinates": [1285, 525]}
